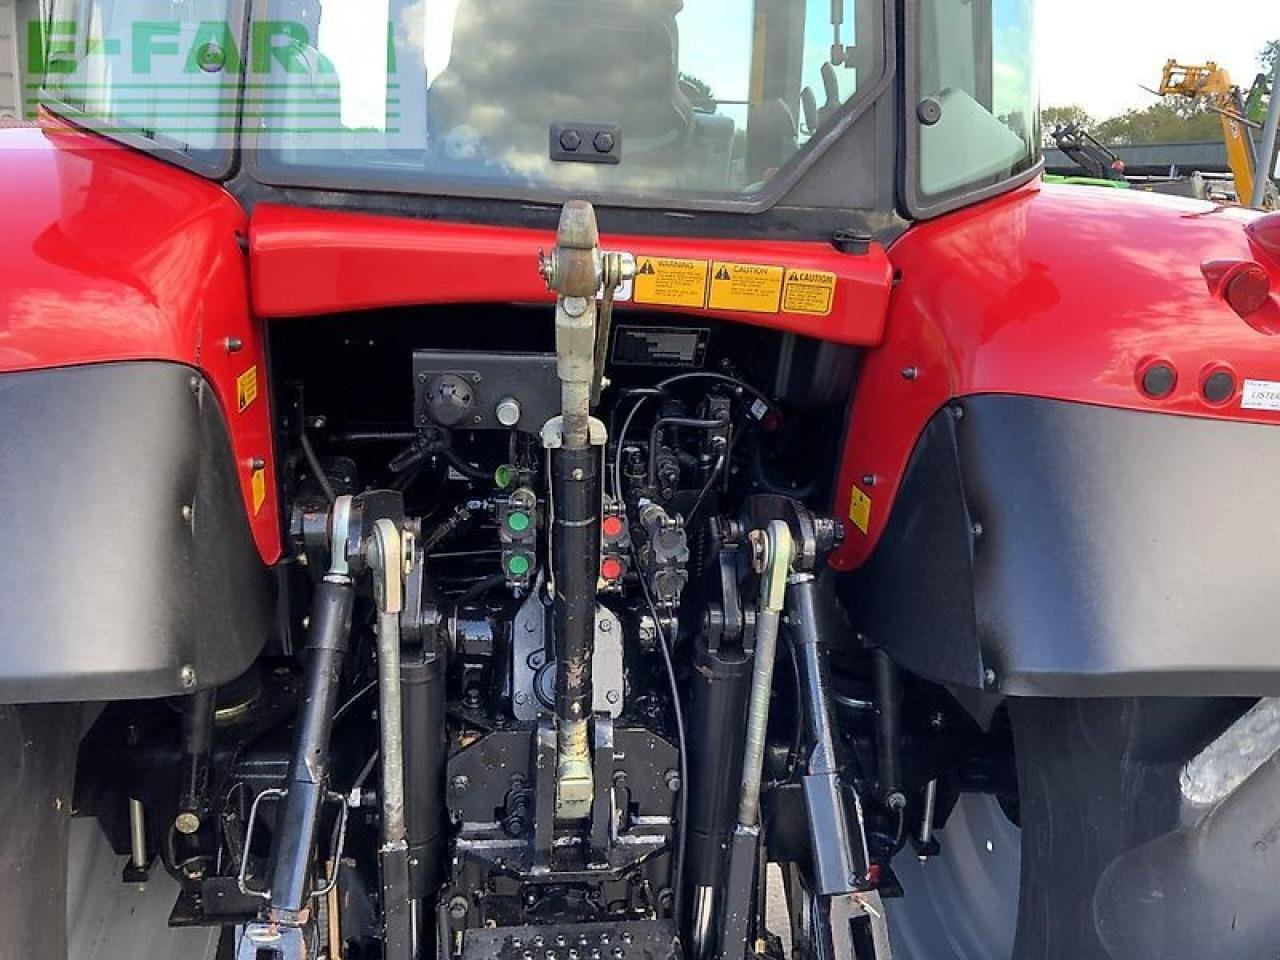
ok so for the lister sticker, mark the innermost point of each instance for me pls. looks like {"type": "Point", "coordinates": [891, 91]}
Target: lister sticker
{"type": "Point", "coordinates": [748, 287]}
{"type": "Point", "coordinates": [670, 281]}
{"type": "Point", "coordinates": [859, 509]}
{"type": "Point", "coordinates": [246, 388]}
{"type": "Point", "coordinates": [809, 291]}
{"type": "Point", "coordinates": [1261, 395]}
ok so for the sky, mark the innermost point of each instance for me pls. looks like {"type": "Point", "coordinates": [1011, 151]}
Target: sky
{"type": "Point", "coordinates": [1098, 53]}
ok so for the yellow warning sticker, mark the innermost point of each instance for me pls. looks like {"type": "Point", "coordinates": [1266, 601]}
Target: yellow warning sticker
{"type": "Point", "coordinates": [859, 509]}
{"type": "Point", "coordinates": [246, 388]}
{"type": "Point", "coordinates": [748, 287]}
{"type": "Point", "coordinates": [809, 291]}
{"type": "Point", "coordinates": [670, 281]}
{"type": "Point", "coordinates": [258, 487]}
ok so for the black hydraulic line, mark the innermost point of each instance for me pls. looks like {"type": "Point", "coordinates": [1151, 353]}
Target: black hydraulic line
{"type": "Point", "coordinates": [706, 488]}
{"type": "Point", "coordinates": [376, 436]}
{"type": "Point", "coordinates": [888, 694]}
{"type": "Point", "coordinates": [718, 378]}
{"type": "Point", "coordinates": [464, 468]}
{"type": "Point", "coordinates": [693, 423]}
{"type": "Point", "coordinates": [480, 588]}
{"type": "Point", "coordinates": [628, 394]}
{"type": "Point", "coordinates": [575, 555]}
{"type": "Point", "coordinates": [682, 743]}
{"type": "Point", "coordinates": [316, 468]}
{"type": "Point", "coordinates": [308, 779]}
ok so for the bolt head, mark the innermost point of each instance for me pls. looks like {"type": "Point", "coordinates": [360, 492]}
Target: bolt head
{"type": "Point", "coordinates": [603, 141]}
{"type": "Point", "coordinates": [570, 140]}
{"type": "Point", "coordinates": [187, 676]}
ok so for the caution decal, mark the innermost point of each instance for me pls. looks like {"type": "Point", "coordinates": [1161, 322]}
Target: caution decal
{"type": "Point", "coordinates": [258, 488]}
{"type": "Point", "coordinates": [809, 291]}
{"type": "Point", "coordinates": [859, 509]}
{"type": "Point", "coordinates": [748, 287]}
{"type": "Point", "coordinates": [729, 285]}
{"type": "Point", "coordinates": [246, 388]}
{"type": "Point", "coordinates": [670, 281]}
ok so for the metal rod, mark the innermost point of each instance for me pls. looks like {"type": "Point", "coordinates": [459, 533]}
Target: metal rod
{"type": "Point", "coordinates": [389, 713]}
{"type": "Point", "coordinates": [758, 716]}
{"type": "Point", "coordinates": [926, 817]}
{"type": "Point", "coordinates": [384, 553]}
{"type": "Point", "coordinates": [772, 591]}
{"type": "Point", "coordinates": [1267, 150]}
{"type": "Point", "coordinates": [138, 834]}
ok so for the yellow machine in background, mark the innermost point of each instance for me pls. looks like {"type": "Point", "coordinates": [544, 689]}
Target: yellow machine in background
{"type": "Point", "coordinates": [1212, 84]}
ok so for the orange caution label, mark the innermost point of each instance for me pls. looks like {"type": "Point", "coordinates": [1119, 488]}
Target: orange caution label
{"type": "Point", "coordinates": [258, 488]}
{"type": "Point", "coordinates": [749, 287]}
{"type": "Point", "coordinates": [246, 388]}
{"type": "Point", "coordinates": [859, 509]}
{"type": "Point", "coordinates": [670, 282]}
{"type": "Point", "coordinates": [809, 291]}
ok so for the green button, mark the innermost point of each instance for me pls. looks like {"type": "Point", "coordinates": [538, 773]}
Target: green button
{"type": "Point", "coordinates": [517, 565]}
{"type": "Point", "coordinates": [518, 521]}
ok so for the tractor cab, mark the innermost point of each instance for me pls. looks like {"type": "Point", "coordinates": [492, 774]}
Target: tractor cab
{"type": "Point", "coordinates": [647, 104]}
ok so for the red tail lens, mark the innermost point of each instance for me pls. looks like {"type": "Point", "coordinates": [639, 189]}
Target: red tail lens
{"type": "Point", "coordinates": [1264, 235]}
{"type": "Point", "coordinates": [1248, 290]}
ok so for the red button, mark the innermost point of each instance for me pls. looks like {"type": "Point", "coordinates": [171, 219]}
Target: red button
{"type": "Point", "coordinates": [612, 527]}
{"type": "Point", "coordinates": [611, 568]}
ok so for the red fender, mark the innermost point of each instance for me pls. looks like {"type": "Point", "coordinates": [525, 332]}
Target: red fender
{"type": "Point", "coordinates": [108, 254]}
{"type": "Point", "coordinates": [1062, 292]}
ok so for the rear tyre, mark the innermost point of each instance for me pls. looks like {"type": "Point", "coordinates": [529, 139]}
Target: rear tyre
{"type": "Point", "coordinates": [1096, 778]}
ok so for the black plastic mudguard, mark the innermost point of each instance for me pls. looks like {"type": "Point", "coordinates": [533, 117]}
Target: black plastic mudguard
{"type": "Point", "coordinates": [109, 589]}
{"type": "Point", "coordinates": [1045, 548]}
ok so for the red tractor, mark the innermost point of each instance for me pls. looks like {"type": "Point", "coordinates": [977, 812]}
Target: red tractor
{"type": "Point", "coordinates": [604, 479]}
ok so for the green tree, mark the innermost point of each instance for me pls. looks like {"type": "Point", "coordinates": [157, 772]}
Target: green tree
{"type": "Point", "coordinates": [1269, 56]}
{"type": "Point", "coordinates": [1171, 120]}
{"type": "Point", "coordinates": [698, 91]}
{"type": "Point", "coordinates": [1051, 117]}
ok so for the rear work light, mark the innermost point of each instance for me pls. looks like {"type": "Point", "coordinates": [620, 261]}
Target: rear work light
{"type": "Point", "coordinates": [1245, 286]}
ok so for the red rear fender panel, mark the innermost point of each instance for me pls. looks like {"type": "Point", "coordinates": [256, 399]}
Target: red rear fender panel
{"type": "Point", "coordinates": [109, 255]}
{"type": "Point", "coordinates": [1067, 293]}
{"type": "Point", "coordinates": [308, 261]}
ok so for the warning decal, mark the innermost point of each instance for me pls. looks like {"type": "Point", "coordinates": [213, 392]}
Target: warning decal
{"type": "Point", "coordinates": [246, 388]}
{"type": "Point", "coordinates": [258, 487]}
{"type": "Point", "coordinates": [809, 291]}
{"type": "Point", "coordinates": [748, 287]}
{"type": "Point", "coordinates": [670, 281]}
{"type": "Point", "coordinates": [859, 509]}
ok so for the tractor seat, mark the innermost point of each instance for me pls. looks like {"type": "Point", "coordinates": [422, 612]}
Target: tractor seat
{"type": "Point", "coordinates": [516, 67]}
